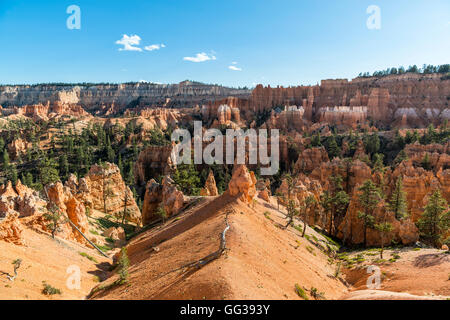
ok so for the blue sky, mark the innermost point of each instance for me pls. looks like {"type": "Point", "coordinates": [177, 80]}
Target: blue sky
{"type": "Point", "coordinates": [283, 42]}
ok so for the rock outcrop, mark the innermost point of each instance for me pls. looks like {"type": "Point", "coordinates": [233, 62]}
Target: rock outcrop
{"type": "Point", "coordinates": [16, 203]}
{"type": "Point", "coordinates": [165, 195]}
{"type": "Point", "coordinates": [117, 235]}
{"type": "Point", "coordinates": [438, 155]}
{"type": "Point", "coordinates": [242, 184]}
{"type": "Point", "coordinates": [153, 162]}
{"type": "Point", "coordinates": [62, 197]}
{"type": "Point", "coordinates": [210, 189]}
{"type": "Point", "coordinates": [11, 229]}
{"type": "Point", "coordinates": [19, 199]}
{"type": "Point", "coordinates": [17, 148]}
{"type": "Point", "coordinates": [103, 188]}
{"type": "Point", "coordinates": [173, 199]}
{"type": "Point", "coordinates": [351, 229]}
{"type": "Point", "coordinates": [418, 184]}
{"type": "Point", "coordinates": [310, 158]}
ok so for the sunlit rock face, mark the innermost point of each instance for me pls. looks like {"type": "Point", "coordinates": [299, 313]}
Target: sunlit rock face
{"type": "Point", "coordinates": [409, 100]}
{"type": "Point", "coordinates": [242, 184]}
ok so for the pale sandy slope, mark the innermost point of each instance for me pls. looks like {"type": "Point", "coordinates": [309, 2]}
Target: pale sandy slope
{"type": "Point", "coordinates": [422, 274]}
{"type": "Point", "coordinates": [45, 259]}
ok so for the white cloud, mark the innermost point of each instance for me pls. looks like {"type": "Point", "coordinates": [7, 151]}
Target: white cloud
{"type": "Point", "coordinates": [234, 62]}
{"type": "Point", "coordinates": [155, 47]}
{"type": "Point", "coordinates": [129, 43]}
{"type": "Point", "coordinates": [200, 57]}
{"type": "Point", "coordinates": [234, 68]}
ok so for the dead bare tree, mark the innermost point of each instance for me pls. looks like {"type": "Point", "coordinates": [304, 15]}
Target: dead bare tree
{"type": "Point", "coordinates": [17, 264]}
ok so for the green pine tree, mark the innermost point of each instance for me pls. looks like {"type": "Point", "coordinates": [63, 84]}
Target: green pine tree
{"type": "Point", "coordinates": [426, 163]}
{"type": "Point", "coordinates": [188, 179]}
{"type": "Point", "coordinates": [123, 265]}
{"type": "Point", "coordinates": [55, 219]}
{"type": "Point", "coordinates": [333, 148]}
{"type": "Point", "coordinates": [5, 159]}
{"type": "Point", "coordinates": [292, 212]}
{"type": "Point", "coordinates": [47, 171]}
{"type": "Point", "coordinates": [385, 228]}
{"type": "Point", "coordinates": [378, 165]}
{"type": "Point", "coordinates": [435, 220]}
{"type": "Point", "coordinates": [368, 200]}
{"type": "Point", "coordinates": [11, 174]}
{"type": "Point", "coordinates": [398, 204]}
{"type": "Point", "coordinates": [64, 166]}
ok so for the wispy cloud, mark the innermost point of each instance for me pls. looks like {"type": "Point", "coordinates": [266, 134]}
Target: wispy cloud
{"type": "Point", "coordinates": [155, 47]}
{"type": "Point", "coordinates": [234, 68]}
{"type": "Point", "coordinates": [200, 57]}
{"type": "Point", "coordinates": [129, 43]}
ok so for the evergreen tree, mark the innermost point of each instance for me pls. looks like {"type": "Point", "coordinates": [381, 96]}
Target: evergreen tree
{"type": "Point", "coordinates": [372, 144]}
{"type": "Point", "coordinates": [292, 212]}
{"type": "Point", "coordinates": [107, 191]}
{"type": "Point", "coordinates": [399, 140]}
{"type": "Point", "coordinates": [333, 148]}
{"type": "Point", "coordinates": [315, 140]}
{"type": "Point", "coordinates": [400, 157]}
{"type": "Point", "coordinates": [123, 266]}
{"type": "Point", "coordinates": [27, 179]}
{"type": "Point", "coordinates": [335, 202]}
{"type": "Point", "coordinates": [398, 204]}
{"type": "Point", "coordinates": [47, 171]}
{"type": "Point", "coordinates": [309, 204]}
{"type": "Point", "coordinates": [378, 165]}
{"type": "Point", "coordinates": [55, 219]}
{"type": "Point", "coordinates": [126, 209]}
{"type": "Point", "coordinates": [64, 166]}
{"type": "Point", "coordinates": [110, 153]}
{"type": "Point", "coordinates": [188, 179]}
{"type": "Point", "coordinates": [385, 228]}
{"type": "Point", "coordinates": [290, 184]}
{"type": "Point", "coordinates": [161, 212]}
{"type": "Point", "coordinates": [426, 163]}
{"type": "Point", "coordinates": [5, 159]}
{"type": "Point", "coordinates": [368, 200]}
{"type": "Point", "coordinates": [120, 165]}
{"type": "Point", "coordinates": [325, 203]}
{"type": "Point", "coordinates": [11, 173]}
{"type": "Point", "coordinates": [129, 178]}
{"type": "Point", "coordinates": [435, 221]}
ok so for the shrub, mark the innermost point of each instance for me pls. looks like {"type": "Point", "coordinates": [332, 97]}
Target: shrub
{"type": "Point", "coordinates": [310, 249]}
{"type": "Point", "coordinates": [48, 290]}
{"type": "Point", "coordinates": [301, 292]}
{"type": "Point", "coordinates": [124, 263]}
{"type": "Point", "coordinates": [337, 272]}
{"type": "Point", "coordinates": [395, 256]}
{"type": "Point", "coordinates": [316, 294]}
{"type": "Point", "coordinates": [84, 254]}
{"type": "Point", "coordinates": [267, 215]}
